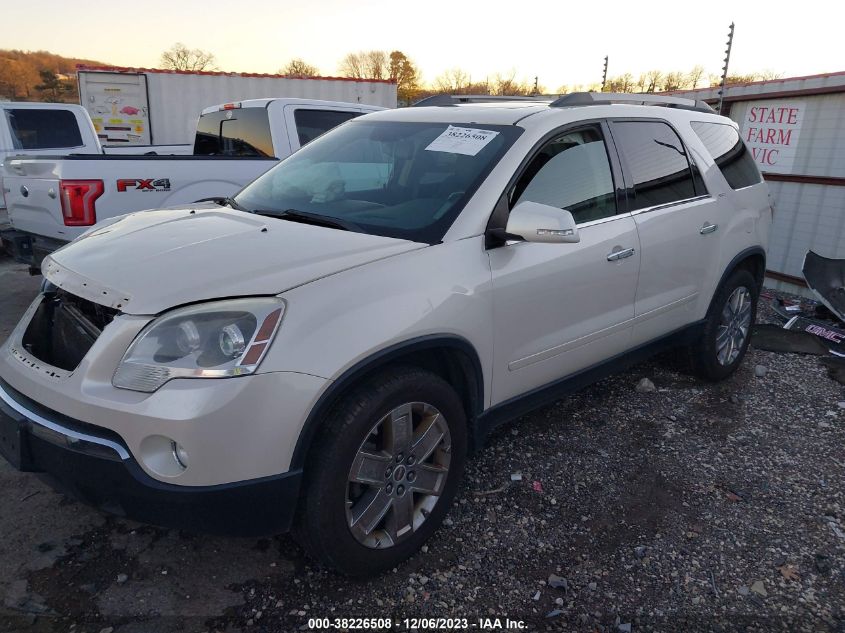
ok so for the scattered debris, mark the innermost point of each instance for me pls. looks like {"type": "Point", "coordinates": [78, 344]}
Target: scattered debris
{"type": "Point", "coordinates": [536, 595]}
{"type": "Point", "coordinates": [645, 386]}
{"type": "Point", "coordinates": [553, 614]}
{"type": "Point", "coordinates": [826, 278]}
{"type": "Point", "coordinates": [790, 572]}
{"type": "Point", "coordinates": [832, 337]}
{"type": "Point", "coordinates": [822, 563]}
{"type": "Point", "coordinates": [743, 591]}
{"type": "Point", "coordinates": [773, 338]}
{"type": "Point", "coordinates": [759, 588]}
{"type": "Point", "coordinates": [760, 371]}
{"type": "Point", "coordinates": [713, 583]}
{"type": "Point", "coordinates": [624, 628]}
{"type": "Point", "coordinates": [557, 582]}
{"type": "Point", "coordinates": [484, 493]}
{"type": "Point", "coordinates": [516, 476]}
{"type": "Point", "coordinates": [537, 486]}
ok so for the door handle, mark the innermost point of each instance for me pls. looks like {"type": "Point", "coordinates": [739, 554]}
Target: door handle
{"type": "Point", "coordinates": [620, 254]}
{"type": "Point", "coordinates": [708, 228]}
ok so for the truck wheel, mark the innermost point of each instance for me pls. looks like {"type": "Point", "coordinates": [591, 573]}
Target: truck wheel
{"type": "Point", "coordinates": [727, 328]}
{"type": "Point", "coordinates": [383, 472]}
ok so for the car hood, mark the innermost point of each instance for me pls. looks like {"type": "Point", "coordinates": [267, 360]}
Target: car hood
{"type": "Point", "coordinates": [147, 262]}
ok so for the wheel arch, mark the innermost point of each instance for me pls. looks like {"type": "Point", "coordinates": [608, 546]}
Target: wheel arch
{"type": "Point", "coordinates": [752, 259]}
{"type": "Point", "coordinates": [451, 357]}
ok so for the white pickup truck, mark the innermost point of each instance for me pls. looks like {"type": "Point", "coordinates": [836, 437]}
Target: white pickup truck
{"type": "Point", "coordinates": [58, 129]}
{"type": "Point", "coordinates": [53, 199]}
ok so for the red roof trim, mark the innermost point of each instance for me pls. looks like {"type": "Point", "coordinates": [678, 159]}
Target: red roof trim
{"type": "Point", "coordinates": [756, 83]}
{"type": "Point", "coordinates": [123, 69]}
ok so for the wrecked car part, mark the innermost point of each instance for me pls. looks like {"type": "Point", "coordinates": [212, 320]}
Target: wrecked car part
{"type": "Point", "coordinates": [64, 328]}
{"type": "Point", "coordinates": [832, 337]}
{"type": "Point", "coordinates": [826, 278]}
{"type": "Point", "coordinates": [773, 338]}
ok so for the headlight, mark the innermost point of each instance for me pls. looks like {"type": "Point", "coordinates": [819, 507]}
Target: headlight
{"type": "Point", "coordinates": [210, 340]}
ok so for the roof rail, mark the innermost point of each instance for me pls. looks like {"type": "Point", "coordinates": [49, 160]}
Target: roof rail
{"type": "Point", "coordinates": [605, 98]}
{"type": "Point", "coordinates": [446, 100]}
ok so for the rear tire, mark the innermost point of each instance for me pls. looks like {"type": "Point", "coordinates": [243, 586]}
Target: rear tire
{"type": "Point", "coordinates": [383, 472]}
{"type": "Point", "coordinates": [727, 328]}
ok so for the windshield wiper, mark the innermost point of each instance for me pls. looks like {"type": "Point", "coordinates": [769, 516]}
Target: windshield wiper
{"type": "Point", "coordinates": [311, 218]}
{"type": "Point", "coordinates": [225, 201]}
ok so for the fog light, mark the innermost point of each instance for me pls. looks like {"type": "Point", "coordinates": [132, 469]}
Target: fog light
{"type": "Point", "coordinates": [164, 456]}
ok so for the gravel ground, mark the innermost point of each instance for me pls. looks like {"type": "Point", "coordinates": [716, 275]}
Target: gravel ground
{"type": "Point", "coordinates": [689, 507]}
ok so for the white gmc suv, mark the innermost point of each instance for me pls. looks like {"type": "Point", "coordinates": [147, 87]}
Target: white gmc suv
{"type": "Point", "coordinates": [322, 352]}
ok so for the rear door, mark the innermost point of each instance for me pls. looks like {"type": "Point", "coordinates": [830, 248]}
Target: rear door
{"type": "Point", "coordinates": [677, 222]}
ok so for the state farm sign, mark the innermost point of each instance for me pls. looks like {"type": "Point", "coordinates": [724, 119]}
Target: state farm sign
{"type": "Point", "coordinates": [771, 130]}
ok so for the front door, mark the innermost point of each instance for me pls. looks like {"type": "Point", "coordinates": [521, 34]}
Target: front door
{"type": "Point", "coordinates": [559, 308]}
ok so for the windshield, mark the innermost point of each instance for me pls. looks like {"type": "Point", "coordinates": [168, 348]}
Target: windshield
{"type": "Point", "coordinates": [398, 179]}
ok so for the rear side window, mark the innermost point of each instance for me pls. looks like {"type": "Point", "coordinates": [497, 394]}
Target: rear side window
{"type": "Point", "coordinates": [656, 161]}
{"type": "Point", "coordinates": [43, 129]}
{"type": "Point", "coordinates": [236, 132]}
{"type": "Point", "coordinates": [729, 152]}
{"type": "Point", "coordinates": [312, 123]}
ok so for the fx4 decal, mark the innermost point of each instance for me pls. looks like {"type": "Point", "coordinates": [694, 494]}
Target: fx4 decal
{"type": "Point", "coordinates": [143, 184]}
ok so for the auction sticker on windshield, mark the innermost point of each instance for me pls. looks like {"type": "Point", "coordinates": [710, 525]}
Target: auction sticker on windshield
{"type": "Point", "coordinates": [462, 140]}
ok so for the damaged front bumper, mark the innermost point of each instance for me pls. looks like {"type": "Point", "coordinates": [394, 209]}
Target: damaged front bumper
{"type": "Point", "coordinates": [826, 278]}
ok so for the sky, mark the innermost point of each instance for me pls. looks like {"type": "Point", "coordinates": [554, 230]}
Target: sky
{"type": "Point", "coordinates": [562, 43]}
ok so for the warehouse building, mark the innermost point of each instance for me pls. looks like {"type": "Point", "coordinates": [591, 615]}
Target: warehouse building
{"type": "Point", "coordinates": [795, 128]}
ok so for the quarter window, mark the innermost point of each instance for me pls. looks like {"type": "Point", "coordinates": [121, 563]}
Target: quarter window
{"type": "Point", "coordinates": [729, 152]}
{"type": "Point", "coordinates": [571, 172]}
{"type": "Point", "coordinates": [657, 162]}
{"type": "Point", "coordinates": [312, 123]}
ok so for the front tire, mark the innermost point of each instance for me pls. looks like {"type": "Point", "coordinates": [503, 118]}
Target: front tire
{"type": "Point", "coordinates": [383, 472]}
{"type": "Point", "coordinates": [727, 328]}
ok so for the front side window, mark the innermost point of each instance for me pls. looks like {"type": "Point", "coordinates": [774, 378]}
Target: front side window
{"type": "Point", "coordinates": [656, 161]}
{"type": "Point", "coordinates": [43, 128]}
{"type": "Point", "coordinates": [407, 180]}
{"type": "Point", "coordinates": [729, 153]}
{"type": "Point", "coordinates": [235, 132]}
{"type": "Point", "coordinates": [571, 172]}
{"type": "Point", "coordinates": [312, 123]}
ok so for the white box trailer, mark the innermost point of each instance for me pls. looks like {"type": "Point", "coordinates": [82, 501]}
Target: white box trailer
{"type": "Point", "coordinates": [141, 106]}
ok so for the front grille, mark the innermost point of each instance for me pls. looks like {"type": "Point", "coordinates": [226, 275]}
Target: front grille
{"type": "Point", "coordinates": [64, 327]}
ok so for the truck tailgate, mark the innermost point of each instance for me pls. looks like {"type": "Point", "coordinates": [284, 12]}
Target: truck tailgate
{"type": "Point", "coordinates": [126, 183]}
{"type": "Point", "coordinates": [34, 206]}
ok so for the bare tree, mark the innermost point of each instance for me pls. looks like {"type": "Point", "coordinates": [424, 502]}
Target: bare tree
{"type": "Point", "coordinates": [298, 67]}
{"type": "Point", "coordinates": [768, 75]}
{"type": "Point", "coordinates": [180, 57]}
{"type": "Point", "coordinates": [654, 79]}
{"type": "Point", "coordinates": [507, 85]}
{"type": "Point", "coordinates": [453, 81]}
{"type": "Point", "coordinates": [622, 83]}
{"type": "Point", "coordinates": [365, 65]}
{"type": "Point", "coordinates": [695, 76]}
{"type": "Point", "coordinates": [674, 80]}
{"type": "Point", "coordinates": [642, 83]}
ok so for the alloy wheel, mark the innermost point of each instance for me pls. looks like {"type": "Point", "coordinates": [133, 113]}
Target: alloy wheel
{"type": "Point", "coordinates": [734, 326]}
{"type": "Point", "coordinates": [398, 475]}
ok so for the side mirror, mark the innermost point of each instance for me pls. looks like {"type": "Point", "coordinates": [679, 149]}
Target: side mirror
{"type": "Point", "coordinates": [535, 222]}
